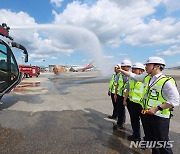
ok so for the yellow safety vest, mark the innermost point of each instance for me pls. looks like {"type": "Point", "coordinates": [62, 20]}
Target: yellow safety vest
{"type": "Point", "coordinates": [112, 84]}
{"type": "Point", "coordinates": [153, 95]}
{"type": "Point", "coordinates": [121, 86]}
{"type": "Point", "coordinates": [136, 91]}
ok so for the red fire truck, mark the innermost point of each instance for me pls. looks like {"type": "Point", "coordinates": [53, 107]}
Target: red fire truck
{"type": "Point", "coordinates": [29, 71]}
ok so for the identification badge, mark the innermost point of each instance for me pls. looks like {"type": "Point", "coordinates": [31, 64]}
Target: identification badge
{"type": "Point", "coordinates": [153, 93]}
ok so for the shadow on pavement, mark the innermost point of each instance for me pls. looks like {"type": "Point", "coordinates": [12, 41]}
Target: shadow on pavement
{"type": "Point", "coordinates": [111, 138]}
{"type": "Point", "coordinates": [69, 131]}
{"type": "Point", "coordinates": [8, 102]}
{"type": "Point", "coordinates": [118, 139]}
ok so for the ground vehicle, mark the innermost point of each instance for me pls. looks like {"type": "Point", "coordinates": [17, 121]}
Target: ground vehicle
{"type": "Point", "coordinates": [58, 69]}
{"type": "Point", "coordinates": [29, 71]}
{"type": "Point", "coordinates": [36, 70]}
{"type": "Point", "coordinates": [10, 75]}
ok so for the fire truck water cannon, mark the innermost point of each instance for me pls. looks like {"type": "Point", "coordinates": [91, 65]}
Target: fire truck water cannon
{"type": "Point", "coordinates": [4, 31]}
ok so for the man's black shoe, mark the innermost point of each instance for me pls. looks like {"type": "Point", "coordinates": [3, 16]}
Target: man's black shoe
{"type": "Point", "coordinates": [117, 127]}
{"type": "Point", "coordinates": [111, 117]}
{"type": "Point", "coordinates": [120, 127]}
{"type": "Point", "coordinates": [133, 138]}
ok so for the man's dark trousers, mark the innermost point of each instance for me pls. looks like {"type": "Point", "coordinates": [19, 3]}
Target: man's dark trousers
{"type": "Point", "coordinates": [134, 112]}
{"type": "Point", "coordinates": [156, 129]}
{"type": "Point", "coordinates": [114, 106]}
{"type": "Point", "coordinates": [120, 111]}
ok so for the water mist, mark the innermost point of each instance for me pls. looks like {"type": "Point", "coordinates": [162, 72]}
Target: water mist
{"type": "Point", "coordinates": [77, 37]}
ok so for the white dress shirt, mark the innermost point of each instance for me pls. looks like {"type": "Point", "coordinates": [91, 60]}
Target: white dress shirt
{"type": "Point", "coordinates": [116, 78]}
{"type": "Point", "coordinates": [169, 90]}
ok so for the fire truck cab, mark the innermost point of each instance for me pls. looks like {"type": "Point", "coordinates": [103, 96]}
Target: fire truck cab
{"type": "Point", "coordinates": [10, 75]}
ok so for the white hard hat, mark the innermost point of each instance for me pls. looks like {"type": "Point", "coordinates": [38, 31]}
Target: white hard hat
{"type": "Point", "coordinates": [126, 63]}
{"type": "Point", "coordinates": [118, 65]}
{"type": "Point", "coordinates": [138, 65]}
{"type": "Point", "coordinates": [155, 60]}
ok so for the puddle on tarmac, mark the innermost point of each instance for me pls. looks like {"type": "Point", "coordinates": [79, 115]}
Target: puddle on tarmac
{"type": "Point", "coordinates": [26, 86]}
{"type": "Point", "coordinates": [29, 84]}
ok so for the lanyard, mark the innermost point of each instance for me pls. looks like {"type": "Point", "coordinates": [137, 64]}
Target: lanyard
{"type": "Point", "coordinates": [150, 85]}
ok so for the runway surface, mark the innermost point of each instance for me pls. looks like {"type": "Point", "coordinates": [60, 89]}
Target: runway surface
{"type": "Point", "coordinates": [67, 113]}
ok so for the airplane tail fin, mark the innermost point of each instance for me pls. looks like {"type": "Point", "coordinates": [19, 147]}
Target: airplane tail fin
{"type": "Point", "coordinates": [90, 65]}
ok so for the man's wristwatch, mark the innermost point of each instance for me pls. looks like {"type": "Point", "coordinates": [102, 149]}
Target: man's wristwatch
{"type": "Point", "coordinates": [159, 108]}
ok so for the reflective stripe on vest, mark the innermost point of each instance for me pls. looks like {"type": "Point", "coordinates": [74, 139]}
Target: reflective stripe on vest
{"type": "Point", "coordinates": [111, 84]}
{"type": "Point", "coordinates": [125, 88]}
{"type": "Point", "coordinates": [153, 95]}
{"type": "Point", "coordinates": [136, 91]}
{"type": "Point", "coordinates": [121, 86]}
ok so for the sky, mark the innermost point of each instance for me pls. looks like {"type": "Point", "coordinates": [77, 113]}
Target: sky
{"type": "Point", "coordinates": [105, 31]}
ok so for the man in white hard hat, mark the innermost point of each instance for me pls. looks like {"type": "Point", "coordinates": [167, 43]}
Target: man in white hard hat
{"type": "Point", "coordinates": [160, 96]}
{"type": "Point", "coordinates": [119, 94]}
{"type": "Point", "coordinates": [111, 90]}
{"type": "Point", "coordinates": [135, 91]}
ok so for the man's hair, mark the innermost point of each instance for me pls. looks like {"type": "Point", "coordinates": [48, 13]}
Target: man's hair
{"type": "Point", "coordinates": [161, 66]}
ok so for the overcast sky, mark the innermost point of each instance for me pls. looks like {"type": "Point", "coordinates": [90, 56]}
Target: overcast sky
{"type": "Point", "coordinates": [74, 32]}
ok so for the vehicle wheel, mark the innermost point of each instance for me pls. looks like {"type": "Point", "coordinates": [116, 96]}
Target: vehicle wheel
{"type": "Point", "coordinates": [27, 75]}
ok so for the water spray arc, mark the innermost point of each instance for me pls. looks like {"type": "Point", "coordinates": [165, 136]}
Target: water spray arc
{"type": "Point", "coordinates": [78, 37]}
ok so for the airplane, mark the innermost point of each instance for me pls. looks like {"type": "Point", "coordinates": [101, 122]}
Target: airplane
{"type": "Point", "coordinates": [81, 68]}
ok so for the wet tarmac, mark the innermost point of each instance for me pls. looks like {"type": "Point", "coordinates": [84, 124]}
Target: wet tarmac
{"type": "Point", "coordinates": [66, 114]}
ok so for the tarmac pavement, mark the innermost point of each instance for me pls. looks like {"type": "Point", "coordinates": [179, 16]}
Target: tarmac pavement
{"type": "Point", "coordinates": [67, 114]}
